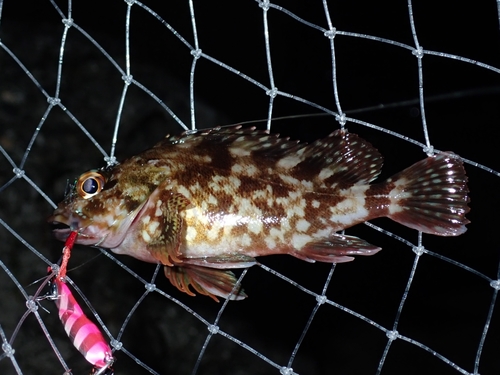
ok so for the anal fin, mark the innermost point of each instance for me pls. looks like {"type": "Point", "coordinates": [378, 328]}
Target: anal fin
{"type": "Point", "coordinates": [207, 281]}
{"type": "Point", "coordinates": [338, 248]}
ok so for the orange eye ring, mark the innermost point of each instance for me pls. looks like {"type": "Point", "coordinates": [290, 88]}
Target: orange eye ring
{"type": "Point", "coordinates": [89, 184]}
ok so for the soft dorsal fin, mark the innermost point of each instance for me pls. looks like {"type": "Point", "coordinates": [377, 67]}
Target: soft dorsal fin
{"type": "Point", "coordinates": [342, 158]}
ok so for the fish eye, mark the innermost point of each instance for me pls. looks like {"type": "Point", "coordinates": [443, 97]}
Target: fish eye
{"type": "Point", "coordinates": [89, 184]}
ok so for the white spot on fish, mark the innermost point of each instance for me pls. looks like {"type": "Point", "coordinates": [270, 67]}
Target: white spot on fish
{"type": "Point", "coordinates": [158, 211]}
{"type": "Point", "coordinates": [182, 190]}
{"type": "Point", "coordinates": [270, 242]}
{"type": "Point", "coordinates": [322, 233]}
{"type": "Point", "coordinates": [302, 225]}
{"type": "Point", "coordinates": [250, 170]}
{"type": "Point", "coordinates": [276, 234]}
{"type": "Point", "coordinates": [299, 240]}
{"type": "Point", "coordinates": [396, 194]}
{"type": "Point", "coordinates": [216, 183]}
{"type": "Point", "coordinates": [145, 236]}
{"type": "Point", "coordinates": [190, 234]}
{"type": "Point", "coordinates": [214, 233]}
{"type": "Point", "coordinates": [307, 184]}
{"type": "Point", "coordinates": [315, 204]}
{"type": "Point", "coordinates": [255, 226]}
{"type": "Point", "coordinates": [238, 151]}
{"type": "Point", "coordinates": [195, 188]}
{"type": "Point", "coordinates": [152, 227]}
{"type": "Point", "coordinates": [237, 168]}
{"type": "Point", "coordinates": [290, 161]}
{"type": "Point", "coordinates": [234, 182]}
{"type": "Point", "coordinates": [288, 179]}
{"type": "Point", "coordinates": [325, 173]}
{"type": "Point", "coordinates": [352, 209]}
{"type": "Point", "coordinates": [246, 240]}
{"type": "Point", "coordinates": [212, 199]}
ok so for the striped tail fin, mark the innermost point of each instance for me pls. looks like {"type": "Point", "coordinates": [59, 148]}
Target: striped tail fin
{"type": "Point", "coordinates": [431, 196]}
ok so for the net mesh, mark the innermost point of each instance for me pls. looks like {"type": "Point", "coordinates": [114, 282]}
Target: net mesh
{"type": "Point", "coordinates": [83, 83]}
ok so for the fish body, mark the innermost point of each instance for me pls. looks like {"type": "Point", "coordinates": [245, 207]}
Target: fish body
{"type": "Point", "coordinates": [210, 200]}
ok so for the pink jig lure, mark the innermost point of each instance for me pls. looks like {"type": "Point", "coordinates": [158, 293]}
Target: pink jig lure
{"type": "Point", "coordinates": [84, 334]}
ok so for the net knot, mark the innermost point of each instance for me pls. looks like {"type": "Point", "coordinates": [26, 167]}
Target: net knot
{"type": "Point", "coordinates": [342, 119]}
{"type": "Point", "coordinates": [31, 304]}
{"type": "Point", "coordinates": [55, 268]}
{"type": "Point", "coordinates": [495, 284]}
{"type": "Point", "coordinates": [110, 160]}
{"type": "Point", "coordinates": [53, 101]}
{"type": "Point", "coordinates": [392, 335]}
{"type": "Point", "coordinates": [196, 53]}
{"type": "Point", "coordinates": [264, 4]}
{"type": "Point", "coordinates": [418, 52]}
{"type": "Point", "coordinates": [213, 329]}
{"type": "Point", "coordinates": [287, 371]}
{"type": "Point", "coordinates": [18, 172]}
{"type": "Point", "coordinates": [330, 34]}
{"type": "Point", "coordinates": [272, 93]}
{"type": "Point", "coordinates": [429, 150]}
{"type": "Point", "coordinates": [130, 2]}
{"type": "Point", "coordinates": [419, 250]}
{"type": "Point", "coordinates": [116, 344]}
{"type": "Point", "coordinates": [128, 79]}
{"type": "Point", "coordinates": [7, 348]}
{"type": "Point", "coordinates": [320, 299]}
{"type": "Point", "coordinates": [150, 287]}
{"type": "Point", "coordinates": [68, 22]}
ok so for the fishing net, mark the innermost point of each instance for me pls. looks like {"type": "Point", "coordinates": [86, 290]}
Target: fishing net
{"type": "Point", "coordinates": [85, 83]}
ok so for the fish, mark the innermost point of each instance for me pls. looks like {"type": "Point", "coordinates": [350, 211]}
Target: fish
{"type": "Point", "coordinates": [207, 201]}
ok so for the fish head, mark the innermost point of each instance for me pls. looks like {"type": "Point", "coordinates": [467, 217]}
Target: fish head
{"type": "Point", "coordinates": [103, 204]}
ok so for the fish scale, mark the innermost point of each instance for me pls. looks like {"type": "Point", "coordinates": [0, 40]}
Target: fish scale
{"type": "Point", "coordinates": [204, 202]}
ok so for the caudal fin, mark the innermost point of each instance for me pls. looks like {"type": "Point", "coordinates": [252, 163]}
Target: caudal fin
{"type": "Point", "coordinates": [431, 196]}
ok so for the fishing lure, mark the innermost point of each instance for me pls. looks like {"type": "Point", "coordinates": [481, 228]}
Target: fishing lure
{"type": "Point", "coordinates": [83, 333]}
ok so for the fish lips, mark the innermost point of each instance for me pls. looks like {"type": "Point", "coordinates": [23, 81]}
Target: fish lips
{"type": "Point", "coordinates": [63, 226]}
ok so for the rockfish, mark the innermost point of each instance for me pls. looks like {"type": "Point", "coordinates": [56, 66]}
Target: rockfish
{"type": "Point", "coordinates": [210, 200]}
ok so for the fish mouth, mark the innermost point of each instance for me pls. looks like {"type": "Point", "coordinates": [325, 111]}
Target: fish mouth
{"type": "Point", "coordinates": [61, 231]}
{"type": "Point", "coordinates": [60, 225]}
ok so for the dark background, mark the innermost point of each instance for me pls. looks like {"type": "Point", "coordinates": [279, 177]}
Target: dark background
{"type": "Point", "coordinates": [447, 306]}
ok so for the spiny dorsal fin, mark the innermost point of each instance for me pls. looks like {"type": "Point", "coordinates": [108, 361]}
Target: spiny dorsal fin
{"type": "Point", "coordinates": [241, 141]}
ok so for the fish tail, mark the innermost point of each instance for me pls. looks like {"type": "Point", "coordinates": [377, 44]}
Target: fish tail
{"type": "Point", "coordinates": [431, 196]}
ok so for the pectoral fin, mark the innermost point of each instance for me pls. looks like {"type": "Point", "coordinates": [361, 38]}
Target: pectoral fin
{"type": "Point", "coordinates": [162, 225]}
{"type": "Point", "coordinates": [208, 281]}
{"type": "Point", "coordinates": [335, 249]}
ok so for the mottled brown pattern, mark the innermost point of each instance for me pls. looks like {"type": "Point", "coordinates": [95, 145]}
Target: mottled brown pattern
{"type": "Point", "coordinates": [220, 197]}
{"type": "Point", "coordinates": [377, 199]}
